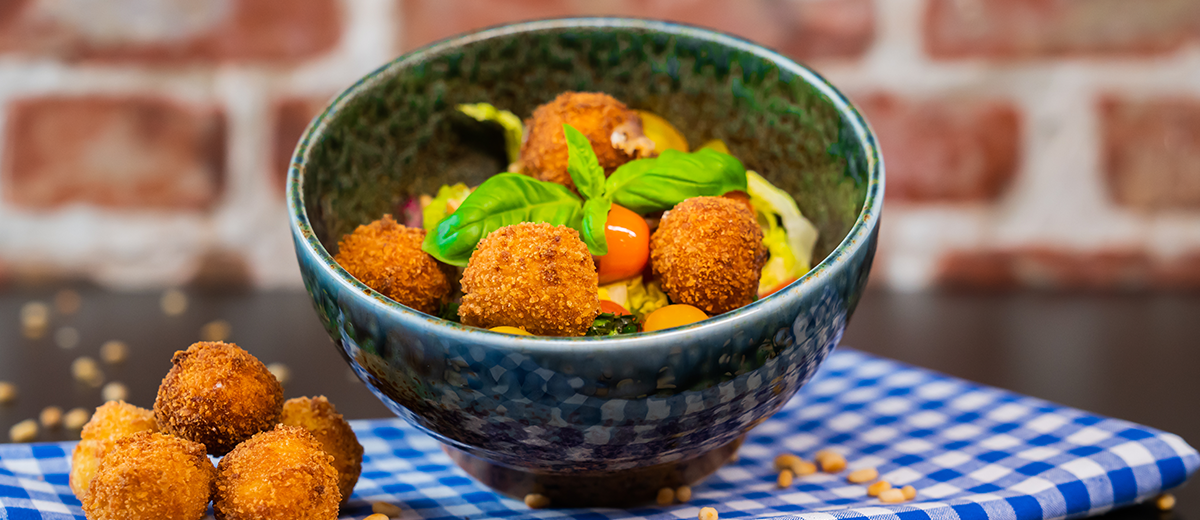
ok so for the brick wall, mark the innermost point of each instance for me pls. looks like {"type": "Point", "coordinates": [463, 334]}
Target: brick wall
{"type": "Point", "coordinates": [1029, 143]}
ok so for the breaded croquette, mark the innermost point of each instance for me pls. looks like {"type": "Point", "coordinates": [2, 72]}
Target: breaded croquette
{"type": "Point", "coordinates": [708, 252]}
{"type": "Point", "coordinates": [151, 475]}
{"type": "Point", "coordinates": [614, 130]}
{"type": "Point", "coordinates": [533, 276]}
{"type": "Point", "coordinates": [387, 257]}
{"type": "Point", "coordinates": [320, 418]}
{"type": "Point", "coordinates": [112, 420]}
{"type": "Point", "coordinates": [279, 474]}
{"type": "Point", "coordinates": [217, 394]}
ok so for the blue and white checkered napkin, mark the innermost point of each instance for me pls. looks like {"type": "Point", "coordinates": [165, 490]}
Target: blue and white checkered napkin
{"type": "Point", "coordinates": [971, 451]}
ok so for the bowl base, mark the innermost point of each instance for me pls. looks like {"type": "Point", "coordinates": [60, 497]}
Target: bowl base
{"type": "Point", "coordinates": [623, 488]}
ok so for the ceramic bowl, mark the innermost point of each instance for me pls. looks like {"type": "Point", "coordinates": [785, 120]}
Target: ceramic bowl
{"type": "Point", "coordinates": [586, 421]}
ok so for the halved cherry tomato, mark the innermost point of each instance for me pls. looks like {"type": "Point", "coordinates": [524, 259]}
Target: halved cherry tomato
{"type": "Point", "coordinates": [510, 330]}
{"type": "Point", "coordinates": [662, 132]}
{"type": "Point", "coordinates": [673, 316]}
{"type": "Point", "coordinates": [628, 239]}
{"type": "Point", "coordinates": [612, 307]}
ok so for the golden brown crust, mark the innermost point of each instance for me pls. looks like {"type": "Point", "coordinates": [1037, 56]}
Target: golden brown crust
{"type": "Point", "coordinates": [708, 252]}
{"type": "Point", "coordinates": [387, 257]}
{"type": "Point", "coordinates": [278, 474]}
{"type": "Point", "coordinates": [112, 420]}
{"type": "Point", "coordinates": [534, 276]}
{"type": "Point", "coordinates": [151, 475]}
{"type": "Point", "coordinates": [217, 394]}
{"type": "Point", "coordinates": [321, 419]}
{"type": "Point", "coordinates": [596, 115]}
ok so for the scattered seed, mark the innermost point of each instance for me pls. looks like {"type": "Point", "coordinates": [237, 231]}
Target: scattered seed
{"type": "Point", "coordinates": [35, 319]}
{"type": "Point", "coordinates": [67, 301]}
{"type": "Point", "coordinates": [909, 492]}
{"type": "Point", "coordinates": [115, 391]}
{"type": "Point", "coordinates": [832, 463]}
{"type": "Point", "coordinates": [113, 351]}
{"type": "Point", "coordinates": [85, 370]}
{"type": "Point", "coordinates": [862, 476]}
{"type": "Point", "coordinates": [786, 461]}
{"type": "Point", "coordinates": [386, 508]}
{"type": "Point", "coordinates": [824, 453]}
{"type": "Point", "coordinates": [173, 302]}
{"type": "Point", "coordinates": [377, 516]}
{"type": "Point", "coordinates": [785, 478]}
{"type": "Point", "coordinates": [280, 371]}
{"type": "Point", "coordinates": [879, 487]}
{"type": "Point", "coordinates": [804, 468]}
{"type": "Point", "coordinates": [8, 392]}
{"type": "Point", "coordinates": [683, 493]}
{"type": "Point", "coordinates": [217, 330]}
{"type": "Point", "coordinates": [891, 496]}
{"type": "Point", "coordinates": [76, 418]}
{"type": "Point", "coordinates": [1165, 502]}
{"type": "Point", "coordinates": [51, 417]}
{"type": "Point", "coordinates": [537, 501]}
{"type": "Point", "coordinates": [666, 496]}
{"type": "Point", "coordinates": [707, 513]}
{"type": "Point", "coordinates": [67, 338]}
{"type": "Point", "coordinates": [23, 431]}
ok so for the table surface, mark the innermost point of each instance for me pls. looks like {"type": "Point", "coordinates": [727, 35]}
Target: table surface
{"type": "Point", "coordinates": [1131, 356]}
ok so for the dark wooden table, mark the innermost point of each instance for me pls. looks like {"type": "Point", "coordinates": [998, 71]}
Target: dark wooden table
{"type": "Point", "coordinates": [1133, 356]}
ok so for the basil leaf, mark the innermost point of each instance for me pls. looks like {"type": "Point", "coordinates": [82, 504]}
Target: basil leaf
{"type": "Point", "coordinates": [646, 185]}
{"type": "Point", "coordinates": [502, 200]}
{"type": "Point", "coordinates": [595, 220]}
{"type": "Point", "coordinates": [583, 165]}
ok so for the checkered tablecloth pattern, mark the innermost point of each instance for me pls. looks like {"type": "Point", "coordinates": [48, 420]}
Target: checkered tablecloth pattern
{"type": "Point", "coordinates": [973, 452]}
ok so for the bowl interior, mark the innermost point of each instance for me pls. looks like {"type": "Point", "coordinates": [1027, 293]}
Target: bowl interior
{"type": "Point", "coordinates": [397, 134]}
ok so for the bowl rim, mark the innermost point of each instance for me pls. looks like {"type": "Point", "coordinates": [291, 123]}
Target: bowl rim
{"type": "Point", "coordinates": [859, 235]}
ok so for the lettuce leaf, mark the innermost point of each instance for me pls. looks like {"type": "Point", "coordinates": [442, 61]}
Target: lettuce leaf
{"type": "Point", "coordinates": [514, 131]}
{"type": "Point", "coordinates": [447, 200]}
{"type": "Point", "coordinates": [634, 295]}
{"type": "Point", "coordinates": [789, 236]}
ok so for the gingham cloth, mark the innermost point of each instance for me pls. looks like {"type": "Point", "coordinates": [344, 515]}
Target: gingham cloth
{"type": "Point", "coordinates": [972, 452]}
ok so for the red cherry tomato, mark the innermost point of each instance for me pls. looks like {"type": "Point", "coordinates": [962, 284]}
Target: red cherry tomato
{"type": "Point", "coordinates": [612, 307]}
{"type": "Point", "coordinates": [628, 239]}
{"type": "Point", "coordinates": [673, 316]}
{"type": "Point", "coordinates": [776, 289]}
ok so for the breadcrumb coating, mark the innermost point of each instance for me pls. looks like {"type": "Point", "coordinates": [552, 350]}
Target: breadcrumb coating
{"type": "Point", "coordinates": [533, 276]}
{"type": "Point", "coordinates": [280, 474]}
{"type": "Point", "coordinates": [112, 420]}
{"type": "Point", "coordinates": [596, 115]}
{"type": "Point", "coordinates": [151, 475]}
{"type": "Point", "coordinates": [217, 394]}
{"type": "Point", "coordinates": [708, 252]}
{"type": "Point", "coordinates": [322, 420]}
{"type": "Point", "coordinates": [387, 257]}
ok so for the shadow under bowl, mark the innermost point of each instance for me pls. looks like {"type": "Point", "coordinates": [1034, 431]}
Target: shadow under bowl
{"type": "Point", "coordinates": [588, 420]}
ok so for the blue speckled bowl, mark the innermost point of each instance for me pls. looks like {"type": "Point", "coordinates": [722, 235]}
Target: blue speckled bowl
{"type": "Point", "coordinates": [623, 415]}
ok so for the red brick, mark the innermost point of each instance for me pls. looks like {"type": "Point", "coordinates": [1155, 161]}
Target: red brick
{"type": "Point", "coordinates": [1058, 269]}
{"type": "Point", "coordinates": [804, 29]}
{"type": "Point", "coordinates": [291, 118]}
{"type": "Point", "coordinates": [951, 150]}
{"type": "Point", "coordinates": [1014, 29]}
{"type": "Point", "coordinates": [133, 152]}
{"type": "Point", "coordinates": [1152, 152]}
{"type": "Point", "coordinates": [174, 31]}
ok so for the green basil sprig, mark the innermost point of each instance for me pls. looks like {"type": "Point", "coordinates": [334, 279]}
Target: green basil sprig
{"type": "Point", "coordinates": [642, 185]}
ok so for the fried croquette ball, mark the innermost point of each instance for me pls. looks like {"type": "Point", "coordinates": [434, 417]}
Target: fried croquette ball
{"type": "Point", "coordinates": [281, 474]}
{"type": "Point", "coordinates": [387, 257]}
{"type": "Point", "coordinates": [112, 420]}
{"type": "Point", "coordinates": [532, 276]}
{"type": "Point", "coordinates": [708, 253]}
{"type": "Point", "coordinates": [614, 130]}
{"type": "Point", "coordinates": [151, 475]}
{"type": "Point", "coordinates": [218, 395]}
{"type": "Point", "coordinates": [321, 419]}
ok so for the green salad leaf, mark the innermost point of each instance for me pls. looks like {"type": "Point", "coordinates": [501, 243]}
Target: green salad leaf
{"type": "Point", "coordinates": [789, 236]}
{"type": "Point", "coordinates": [502, 200]}
{"type": "Point", "coordinates": [647, 185]}
{"type": "Point", "coordinates": [447, 199]}
{"type": "Point", "coordinates": [514, 131]}
{"type": "Point", "coordinates": [609, 324]}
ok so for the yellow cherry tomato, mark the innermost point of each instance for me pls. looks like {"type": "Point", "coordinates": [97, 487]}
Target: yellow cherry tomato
{"type": "Point", "coordinates": [662, 132]}
{"type": "Point", "coordinates": [716, 144]}
{"type": "Point", "coordinates": [510, 330]}
{"type": "Point", "coordinates": [673, 316]}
